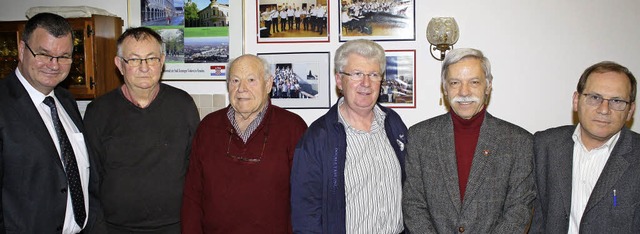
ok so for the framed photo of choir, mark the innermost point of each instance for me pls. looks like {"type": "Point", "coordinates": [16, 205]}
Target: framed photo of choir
{"type": "Point", "coordinates": [283, 21]}
{"type": "Point", "coordinates": [300, 80]}
{"type": "Point", "coordinates": [398, 87]}
{"type": "Point", "coordinates": [382, 20]}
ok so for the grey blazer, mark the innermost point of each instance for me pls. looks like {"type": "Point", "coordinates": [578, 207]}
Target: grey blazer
{"type": "Point", "coordinates": [553, 163]}
{"type": "Point", "coordinates": [500, 192]}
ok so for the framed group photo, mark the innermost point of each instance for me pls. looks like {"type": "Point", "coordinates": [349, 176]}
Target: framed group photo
{"type": "Point", "coordinates": [300, 80]}
{"type": "Point", "coordinates": [292, 21]}
{"type": "Point", "coordinates": [381, 20]}
{"type": "Point", "coordinates": [398, 87]}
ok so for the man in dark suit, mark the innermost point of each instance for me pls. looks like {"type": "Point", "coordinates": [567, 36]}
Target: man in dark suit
{"type": "Point", "coordinates": [44, 161]}
{"type": "Point", "coordinates": [588, 176]}
{"type": "Point", "coordinates": [468, 171]}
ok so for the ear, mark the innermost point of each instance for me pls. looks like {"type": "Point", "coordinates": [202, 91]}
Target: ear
{"type": "Point", "coordinates": [339, 81]}
{"type": "Point", "coordinates": [632, 110]}
{"type": "Point", "coordinates": [21, 49]}
{"type": "Point", "coordinates": [489, 87]}
{"type": "Point", "coordinates": [576, 99]}
{"type": "Point", "coordinates": [119, 63]}
{"type": "Point", "coordinates": [268, 84]}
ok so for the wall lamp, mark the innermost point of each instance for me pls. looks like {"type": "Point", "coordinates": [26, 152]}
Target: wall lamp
{"type": "Point", "coordinates": [442, 33]}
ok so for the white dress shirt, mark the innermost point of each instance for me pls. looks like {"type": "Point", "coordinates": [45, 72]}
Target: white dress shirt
{"type": "Point", "coordinates": [77, 142]}
{"type": "Point", "coordinates": [587, 166]}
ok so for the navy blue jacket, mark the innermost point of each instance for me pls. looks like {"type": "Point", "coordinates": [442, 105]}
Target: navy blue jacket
{"type": "Point", "coordinates": [317, 176]}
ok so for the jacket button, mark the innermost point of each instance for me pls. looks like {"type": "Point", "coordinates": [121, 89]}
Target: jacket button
{"type": "Point", "coordinates": [59, 228]}
{"type": "Point", "coordinates": [461, 229]}
{"type": "Point", "coordinates": [63, 190]}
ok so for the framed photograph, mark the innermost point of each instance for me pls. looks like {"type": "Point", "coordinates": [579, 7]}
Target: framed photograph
{"type": "Point", "coordinates": [398, 87]}
{"type": "Point", "coordinates": [195, 34]}
{"type": "Point", "coordinates": [300, 80]}
{"type": "Point", "coordinates": [381, 20]}
{"type": "Point", "coordinates": [280, 21]}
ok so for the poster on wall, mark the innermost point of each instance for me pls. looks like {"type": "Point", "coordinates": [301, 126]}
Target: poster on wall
{"type": "Point", "coordinates": [287, 21]}
{"type": "Point", "coordinates": [195, 35]}
{"type": "Point", "coordinates": [398, 87]}
{"type": "Point", "coordinates": [381, 20]}
{"type": "Point", "coordinates": [300, 80]}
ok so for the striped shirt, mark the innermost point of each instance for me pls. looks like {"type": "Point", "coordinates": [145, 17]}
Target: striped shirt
{"type": "Point", "coordinates": [252, 126]}
{"type": "Point", "coordinates": [373, 187]}
{"type": "Point", "coordinates": [587, 166]}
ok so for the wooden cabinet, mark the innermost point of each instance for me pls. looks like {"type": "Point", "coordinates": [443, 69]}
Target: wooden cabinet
{"type": "Point", "coordinates": [93, 72]}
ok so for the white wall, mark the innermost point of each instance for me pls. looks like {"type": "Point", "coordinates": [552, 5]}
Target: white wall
{"type": "Point", "coordinates": [538, 49]}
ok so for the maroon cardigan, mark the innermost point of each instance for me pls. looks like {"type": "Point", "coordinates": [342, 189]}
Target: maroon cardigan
{"type": "Point", "coordinates": [225, 195]}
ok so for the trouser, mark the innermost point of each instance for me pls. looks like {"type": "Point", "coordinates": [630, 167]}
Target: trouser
{"type": "Point", "coordinates": [274, 25]}
{"type": "Point", "coordinates": [283, 24]}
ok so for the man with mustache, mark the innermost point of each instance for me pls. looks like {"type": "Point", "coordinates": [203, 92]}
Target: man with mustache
{"type": "Point", "coordinates": [588, 176]}
{"type": "Point", "coordinates": [468, 171]}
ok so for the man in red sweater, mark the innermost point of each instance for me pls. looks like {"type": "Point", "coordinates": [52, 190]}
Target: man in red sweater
{"type": "Point", "coordinates": [468, 170]}
{"type": "Point", "coordinates": [241, 157]}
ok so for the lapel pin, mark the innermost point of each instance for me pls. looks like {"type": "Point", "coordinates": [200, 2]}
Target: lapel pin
{"type": "Point", "coordinates": [486, 152]}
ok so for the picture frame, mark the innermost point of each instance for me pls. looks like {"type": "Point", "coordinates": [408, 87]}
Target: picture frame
{"type": "Point", "coordinates": [397, 90]}
{"type": "Point", "coordinates": [304, 23]}
{"type": "Point", "coordinates": [300, 80]}
{"type": "Point", "coordinates": [196, 49]}
{"type": "Point", "coordinates": [387, 21]}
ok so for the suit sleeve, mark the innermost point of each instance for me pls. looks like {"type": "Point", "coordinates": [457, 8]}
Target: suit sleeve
{"type": "Point", "coordinates": [537, 224]}
{"type": "Point", "coordinates": [518, 205]}
{"type": "Point", "coordinates": [306, 187]}
{"type": "Point", "coordinates": [414, 204]}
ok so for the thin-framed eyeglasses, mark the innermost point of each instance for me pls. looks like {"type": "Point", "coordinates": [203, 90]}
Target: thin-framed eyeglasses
{"type": "Point", "coordinates": [358, 76]}
{"type": "Point", "coordinates": [134, 62]}
{"type": "Point", "coordinates": [45, 58]}
{"type": "Point", "coordinates": [252, 159]}
{"type": "Point", "coordinates": [614, 103]}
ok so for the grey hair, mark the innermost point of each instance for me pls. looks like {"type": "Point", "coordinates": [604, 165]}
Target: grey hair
{"type": "Point", "coordinates": [362, 47]}
{"type": "Point", "coordinates": [456, 55]}
{"type": "Point", "coordinates": [265, 65]}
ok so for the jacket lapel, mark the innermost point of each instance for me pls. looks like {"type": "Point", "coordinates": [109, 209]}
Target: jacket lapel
{"type": "Point", "coordinates": [481, 157]}
{"type": "Point", "coordinates": [448, 161]}
{"type": "Point", "coordinates": [27, 113]}
{"type": "Point", "coordinates": [612, 171]}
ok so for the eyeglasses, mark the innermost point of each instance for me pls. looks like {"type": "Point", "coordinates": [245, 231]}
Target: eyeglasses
{"type": "Point", "coordinates": [358, 76]}
{"type": "Point", "coordinates": [614, 104]}
{"type": "Point", "coordinates": [134, 62]}
{"type": "Point", "coordinates": [45, 58]}
{"type": "Point", "coordinates": [251, 160]}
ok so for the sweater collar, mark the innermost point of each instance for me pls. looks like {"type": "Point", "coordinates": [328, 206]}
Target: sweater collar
{"type": "Point", "coordinates": [468, 124]}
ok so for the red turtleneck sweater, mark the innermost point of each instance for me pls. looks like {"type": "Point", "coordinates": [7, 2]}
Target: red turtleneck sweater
{"type": "Point", "coordinates": [466, 133]}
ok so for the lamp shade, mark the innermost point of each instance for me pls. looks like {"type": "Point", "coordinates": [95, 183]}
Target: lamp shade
{"type": "Point", "coordinates": [442, 31]}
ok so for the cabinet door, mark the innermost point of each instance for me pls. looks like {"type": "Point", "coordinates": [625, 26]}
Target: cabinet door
{"type": "Point", "coordinates": [9, 38]}
{"type": "Point", "coordinates": [81, 79]}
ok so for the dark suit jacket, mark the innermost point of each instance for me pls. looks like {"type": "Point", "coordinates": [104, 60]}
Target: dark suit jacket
{"type": "Point", "coordinates": [553, 167]}
{"type": "Point", "coordinates": [34, 184]}
{"type": "Point", "coordinates": [499, 195]}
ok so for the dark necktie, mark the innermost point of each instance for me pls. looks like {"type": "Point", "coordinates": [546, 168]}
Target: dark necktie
{"type": "Point", "coordinates": [70, 165]}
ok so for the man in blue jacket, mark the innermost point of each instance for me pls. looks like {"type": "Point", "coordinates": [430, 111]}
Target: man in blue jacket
{"type": "Point", "coordinates": [348, 167]}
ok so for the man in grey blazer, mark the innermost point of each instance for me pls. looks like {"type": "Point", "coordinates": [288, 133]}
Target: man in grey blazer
{"type": "Point", "coordinates": [468, 171]}
{"type": "Point", "coordinates": [588, 176]}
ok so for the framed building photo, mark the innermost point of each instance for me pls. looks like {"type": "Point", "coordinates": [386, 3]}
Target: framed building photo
{"type": "Point", "coordinates": [398, 87]}
{"type": "Point", "coordinates": [195, 34]}
{"type": "Point", "coordinates": [292, 21]}
{"type": "Point", "coordinates": [381, 20]}
{"type": "Point", "coordinates": [300, 80]}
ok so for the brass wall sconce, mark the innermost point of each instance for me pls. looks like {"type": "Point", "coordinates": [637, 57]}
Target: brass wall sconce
{"type": "Point", "coordinates": [442, 33]}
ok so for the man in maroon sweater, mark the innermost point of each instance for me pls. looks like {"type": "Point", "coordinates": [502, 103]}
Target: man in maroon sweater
{"type": "Point", "coordinates": [467, 170]}
{"type": "Point", "coordinates": [238, 177]}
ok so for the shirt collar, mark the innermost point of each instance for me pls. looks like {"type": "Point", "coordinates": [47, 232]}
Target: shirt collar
{"type": "Point", "coordinates": [378, 118]}
{"type": "Point", "coordinates": [608, 145]}
{"type": "Point", "coordinates": [36, 96]}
